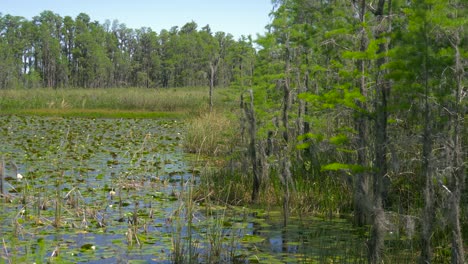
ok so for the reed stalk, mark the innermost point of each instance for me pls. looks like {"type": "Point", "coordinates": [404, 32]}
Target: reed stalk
{"type": "Point", "coordinates": [2, 171]}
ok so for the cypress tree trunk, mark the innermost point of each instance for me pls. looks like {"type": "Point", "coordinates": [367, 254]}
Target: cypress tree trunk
{"type": "Point", "coordinates": [376, 243]}
{"type": "Point", "coordinates": [458, 167]}
{"type": "Point", "coordinates": [361, 188]}
{"type": "Point", "coordinates": [426, 170]}
{"type": "Point", "coordinates": [286, 181]}
{"type": "Point", "coordinates": [285, 159]}
{"type": "Point", "coordinates": [212, 76]}
{"type": "Point", "coordinates": [2, 171]}
{"type": "Point", "coordinates": [256, 166]}
{"type": "Point", "coordinates": [428, 211]}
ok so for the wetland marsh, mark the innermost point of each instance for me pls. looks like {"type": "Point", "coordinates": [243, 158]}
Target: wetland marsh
{"type": "Point", "coordinates": [121, 191]}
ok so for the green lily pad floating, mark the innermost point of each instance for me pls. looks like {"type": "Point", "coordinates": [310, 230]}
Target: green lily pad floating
{"type": "Point", "coordinates": [252, 239]}
{"type": "Point", "coordinates": [117, 241]}
{"type": "Point", "coordinates": [88, 247]}
{"type": "Point", "coordinates": [125, 204]}
{"type": "Point", "coordinates": [136, 261]}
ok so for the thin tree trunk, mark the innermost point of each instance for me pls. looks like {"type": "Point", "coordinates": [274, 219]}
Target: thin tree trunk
{"type": "Point", "coordinates": [212, 76]}
{"type": "Point", "coordinates": [458, 167]}
{"type": "Point", "coordinates": [256, 169]}
{"type": "Point", "coordinates": [458, 254]}
{"type": "Point", "coordinates": [376, 243]}
{"type": "Point", "coordinates": [286, 108]}
{"type": "Point", "coordinates": [286, 181]}
{"type": "Point", "coordinates": [426, 170]}
{"type": "Point", "coordinates": [428, 212]}
{"type": "Point", "coordinates": [285, 159]}
{"type": "Point", "coordinates": [361, 191]}
{"type": "Point", "coordinates": [2, 172]}
{"type": "Point", "coordinates": [147, 76]}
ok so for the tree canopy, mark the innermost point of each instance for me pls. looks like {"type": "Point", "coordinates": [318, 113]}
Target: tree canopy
{"type": "Point", "coordinates": [54, 51]}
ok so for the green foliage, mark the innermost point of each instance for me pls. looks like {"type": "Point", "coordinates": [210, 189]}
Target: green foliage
{"type": "Point", "coordinates": [358, 75]}
{"type": "Point", "coordinates": [69, 52]}
{"type": "Point", "coordinates": [339, 139]}
{"type": "Point", "coordinates": [344, 167]}
{"type": "Point", "coordinates": [371, 53]}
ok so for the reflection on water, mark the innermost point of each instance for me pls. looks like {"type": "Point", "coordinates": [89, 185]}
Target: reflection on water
{"type": "Point", "coordinates": [307, 241]}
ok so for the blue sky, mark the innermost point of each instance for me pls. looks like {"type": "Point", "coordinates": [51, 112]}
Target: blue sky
{"type": "Point", "coordinates": [238, 17]}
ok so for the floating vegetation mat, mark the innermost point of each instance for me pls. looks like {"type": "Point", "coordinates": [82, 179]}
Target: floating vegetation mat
{"type": "Point", "coordinates": [120, 191]}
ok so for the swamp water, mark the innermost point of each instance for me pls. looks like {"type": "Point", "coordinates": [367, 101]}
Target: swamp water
{"type": "Point", "coordinates": [118, 191]}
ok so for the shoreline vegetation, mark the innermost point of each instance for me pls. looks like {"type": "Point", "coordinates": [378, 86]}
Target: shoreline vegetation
{"type": "Point", "coordinates": [106, 102]}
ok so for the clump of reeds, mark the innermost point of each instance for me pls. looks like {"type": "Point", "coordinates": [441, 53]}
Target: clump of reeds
{"type": "Point", "coordinates": [211, 134]}
{"type": "Point", "coordinates": [184, 247]}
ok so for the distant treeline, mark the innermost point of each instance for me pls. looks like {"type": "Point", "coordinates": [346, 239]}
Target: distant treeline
{"type": "Point", "coordinates": [55, 51]}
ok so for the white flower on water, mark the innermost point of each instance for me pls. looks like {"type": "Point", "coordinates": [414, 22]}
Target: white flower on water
{"type": "Point", "coordinates": [19, 177]}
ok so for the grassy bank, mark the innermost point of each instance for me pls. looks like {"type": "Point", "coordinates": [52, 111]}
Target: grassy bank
{"type": "Point", "coordinates": [109, 102]}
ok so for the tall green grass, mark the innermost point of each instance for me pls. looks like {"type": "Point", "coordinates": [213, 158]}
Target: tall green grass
{"type": "Point", "coordinates": [211, 134]}
{"type": "Point", "coordinates": [188, 100]}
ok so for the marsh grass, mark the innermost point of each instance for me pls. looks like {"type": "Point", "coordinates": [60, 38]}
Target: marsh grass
{"type": "Point", "coordinates": [210, 237]}
{"type": "Point", "coordinates": [113, 102]}
{"type": "Point", "coordinates": [184, 249]}
{"type": "Point", "coordinates": [232, 184]}
{"type": "Point", "coordinates": [211, 134]}
{"type": "Point", "coordinates": [223, 185]}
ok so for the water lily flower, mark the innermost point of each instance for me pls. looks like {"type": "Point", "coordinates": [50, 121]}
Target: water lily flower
{"type": "Point", "coordinates": [112, 193]}
{"type": "Point", "coordinates": [19, 177]}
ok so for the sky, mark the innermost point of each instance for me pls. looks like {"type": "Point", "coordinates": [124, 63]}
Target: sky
{"type": "Point", "coordinates": [238, 17]}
